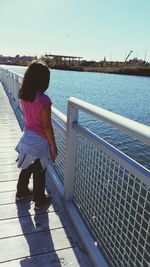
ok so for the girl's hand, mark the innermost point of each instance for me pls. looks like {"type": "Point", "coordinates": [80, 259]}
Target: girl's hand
{"type": "Point", "coordinates": [53, 151]}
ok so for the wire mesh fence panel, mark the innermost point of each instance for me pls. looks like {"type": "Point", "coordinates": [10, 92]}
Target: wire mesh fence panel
{"type": "Point", "coordinates": [60, 160]}
{"type": "Point", "coordinates": [114, 205]}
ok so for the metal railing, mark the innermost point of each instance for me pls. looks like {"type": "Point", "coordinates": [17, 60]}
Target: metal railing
{"type": "Point", "coordinates": [109, 190]}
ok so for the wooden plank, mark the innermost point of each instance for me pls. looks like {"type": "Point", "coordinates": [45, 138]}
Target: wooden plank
{"type": "Point", "coordinates": [8, 143]}
{"type": "Point", "coordinates": [5, 121]}
{"type": "Point", "coordinates": [10, 168]}
{"type": "Point", "coordinates": [13, 137]}
{"type": "Point", "coordinates": [13, 128]}
{"type": "Point", "coordinates": [60, 258]}
{"type": "Point", "coordinates": [11, 185]}
{"type": "Point", "coordinates": [34, 244]}
{"type": "Point", "coordinates": [21, 209]}
{"type": "Point", "coordinates": [7, 198]}
{"type": "Point", "coordinates": [7, 149]}
{"type": "Point", "coordinates": [7, 134]}
{"type": "Point", "coordinates": [8, 176]}
{"type": "Point", "coordinates": [29, 224]}
{"type": "Point", "coordinates": [11, 123]}
{"type": "Point", "coordinates": [7, 186]}
{"type": "Point", "coordinates": [8, 154]}
{"type": "Point", "coordinates": [4, 162]}
{"type": "Point", "coordinates": [7, 127]}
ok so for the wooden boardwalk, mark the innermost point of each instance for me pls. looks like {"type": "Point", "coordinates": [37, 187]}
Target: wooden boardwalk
{"type": "Point", "coordinates": [28, 238]}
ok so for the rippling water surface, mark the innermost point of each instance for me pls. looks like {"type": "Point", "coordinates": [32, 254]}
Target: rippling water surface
{"type": "Point", "coordinates": [126, 95]}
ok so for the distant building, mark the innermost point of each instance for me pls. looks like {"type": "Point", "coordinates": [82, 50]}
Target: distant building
{"type": "Point", "coordinates": [62, 60]}
{"type": "Point", "coordinates": [17, 60]}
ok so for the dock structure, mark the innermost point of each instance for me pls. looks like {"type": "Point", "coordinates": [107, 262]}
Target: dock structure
{"type": "Point", "coordinates": [61, 60]}
{"type": "Point", "coordinates": [28, 238]}
{"type": "Point", "coordinates": [100, 213]}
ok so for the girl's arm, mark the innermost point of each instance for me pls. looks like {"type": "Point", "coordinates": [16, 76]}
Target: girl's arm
{"type": "Point", "coordinates": [48, 128]}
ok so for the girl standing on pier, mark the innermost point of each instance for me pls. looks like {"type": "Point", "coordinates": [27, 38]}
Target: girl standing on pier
{"type": "Point", "coordinates": [37, 145]}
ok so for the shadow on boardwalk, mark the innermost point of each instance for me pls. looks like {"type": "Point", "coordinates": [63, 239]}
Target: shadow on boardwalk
{"type": "Point", "coordinates": [38, 236]}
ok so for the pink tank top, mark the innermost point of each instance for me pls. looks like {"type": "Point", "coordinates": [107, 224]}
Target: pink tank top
{"type": "Point", "coordinates": [33, 113]}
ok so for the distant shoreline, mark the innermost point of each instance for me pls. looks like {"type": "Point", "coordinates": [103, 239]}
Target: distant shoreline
{"type": "Point", "coordinates": [124, 70]}
{"type": "Point", "coordinates": [131, 70]}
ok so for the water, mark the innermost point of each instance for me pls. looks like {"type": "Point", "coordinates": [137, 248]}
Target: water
{"type": "Point", "coordinates": [128, 96]}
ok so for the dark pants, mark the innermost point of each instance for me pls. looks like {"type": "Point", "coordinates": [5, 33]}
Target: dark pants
{"type": "Point", "coordinates": [38, 181]}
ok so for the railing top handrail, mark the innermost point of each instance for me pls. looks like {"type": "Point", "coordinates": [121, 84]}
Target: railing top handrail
{"type": "Point", "coordinates": [59, 114]}
{"type": "Point", "coordinates": [135, 129]}
{"type": "Point", "coordinates": [12, 72]}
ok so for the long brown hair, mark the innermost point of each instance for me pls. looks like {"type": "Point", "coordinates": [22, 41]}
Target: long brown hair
{"type": "Point", "coordinates": [36, 78]}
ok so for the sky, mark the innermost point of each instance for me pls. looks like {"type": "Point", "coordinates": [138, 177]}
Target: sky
{"type": "Point", "coordinates": [92, 29]}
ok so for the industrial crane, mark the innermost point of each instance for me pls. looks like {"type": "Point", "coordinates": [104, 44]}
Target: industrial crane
{"type": "Point", "coordinates": [128, 55]}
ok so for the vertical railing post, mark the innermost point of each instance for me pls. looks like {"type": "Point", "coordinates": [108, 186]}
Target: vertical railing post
{"type": "Point", "coordinates": [4, 78]}
{"type": "Point", "coordinates": [7, 86]}
{"type": "Point", "coordinates": [16, 90]}
{"type": "Point", "coordinates": [71, 140]}
{"type": "Point", "coordinates": [11, 84]}
{"type": "Point", "coordinates": [14, 87]}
